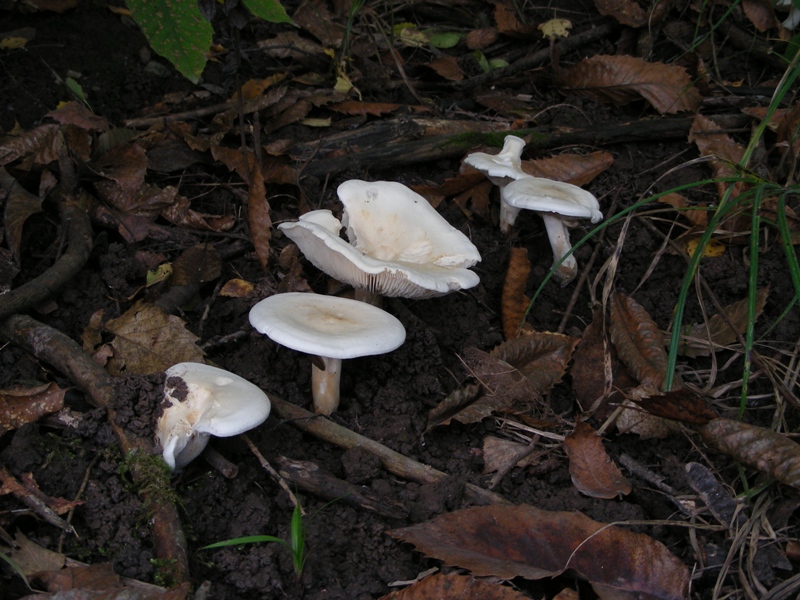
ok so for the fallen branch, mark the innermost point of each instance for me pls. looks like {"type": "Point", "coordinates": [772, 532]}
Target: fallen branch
{"type": "Point", "coordinates": [394, 462]}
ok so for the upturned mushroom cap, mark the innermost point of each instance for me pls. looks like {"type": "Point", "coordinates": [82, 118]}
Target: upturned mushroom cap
{"type": "Point", "coordinates": [506, 164]}
{"type": "Point", "coordinates": [327, 326]}
{"type": "Point", "coordinates": [399, 245]}
{"type": "Point", "coordinates": [201, 401]}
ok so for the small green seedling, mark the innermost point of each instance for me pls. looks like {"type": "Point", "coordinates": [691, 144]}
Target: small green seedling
{"type": "Point", "coordinates": [15, 567]}
{"type": "Point", "coordinates": [296, 543]}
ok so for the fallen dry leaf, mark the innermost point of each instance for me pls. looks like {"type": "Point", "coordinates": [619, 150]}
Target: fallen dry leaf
{"type": "Point", "coordinates": [623, 79]}
{"type": "Point", "coordinates": [697, 215]}
{"type": "Point", "coordinates": [498, 453]}
{"type": "Point", "coordinates": [33, 558]}
{"type": "Point", "coordinates": [20, 204]}
{"type": "Point", "coordinates": [577, 169]}
{"type": "Point", "coordinates": [456, 586]}
{"type": "Point", "coordinates": [638, 340]}
{"type": "Point", "coordinates": [681, 405]}
{"type": "Point", "coordinates": [632, 419]}
{"type": "Point", "coordinates": [148, 340]}
{"type": "Point", "coordinates": [505, 386]}
{"type": "Point", "coordinates": [522, 541]}
{"type": "Point", "coordinates": [626, 12]}
{"type": "Point", "coordinates": [258, 216]}
{"type": "Point", "coordinates": [759, 448]}
{"type": "Point", "coordinates": [591, 468]}
{"type": "Point", "coordinates": [76, 113]}
{"type": "Point", "coordinates": [514, 303]}
{"type": "Point", "coordinates": [724, 150]}
{"type": "Point", "coordinates": [27, 405]}
{"type": "Point", "coordinates": [760, 14]}
{"type": "Point", "coordinates": [41, 145]}
{"type": "Point", "coordinates": [447, 66]}
{"type": "Point", "coordinates": [198, 264]}
{"type": "Point", "coordinates": [700, 339]}
{"type": "Point", "coordinates": [466, 405]}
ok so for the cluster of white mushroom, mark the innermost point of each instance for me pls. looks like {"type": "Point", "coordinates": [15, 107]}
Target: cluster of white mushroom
{"type": "Point", "coordinates": [558, 203]}
{"type": "Point", "coordinates": [398, 245]}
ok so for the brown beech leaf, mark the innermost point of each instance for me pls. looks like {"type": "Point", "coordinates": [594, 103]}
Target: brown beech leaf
{"type": "Point", "coordinates": [700, 339]}
{"type": "Point", "coordinates": [76, 113]}
{"type": "Point", "coordinates": [43, 145]}
{"type": "Point", "coordinates": [181, 213]}
{"type": "Point", "coordinates": [759, 448]}
{"type": "Point", "coordinates": [447, 66]}
{"type": "Point", "coordinates": [523, 541]}
{"type": "Point", "coordinates": [455, 585]}
{"type": "Point", "coordinates": [760, 14]}
{"type": "Point", "coordinates": [505, 386]}
{"type": "Point", "coordinates": [696, 215]}
{"type": "Point", "coordinates": [466, 405]}
{"type": "Point", "coordinates": [591, 468]}
{"type": "Point", "coordinates": [592, 358]}
{"type": "Point", "coordinates": [627, 12]}
{"type": "Point", "coordinates": [258, 217]}
{"type": "Point", "coordinates": [198, 264]}
{"type": "Point", "coordinates": [633, 419]}
{"type": "Point", "coordinates": [148, 340]}
{"type": "Point", "coordinates": [638, 340]}
{"type": "Point", "coordinates": [505, 15]}
{"type": "Point", "coordinates": [724, 150]}
{"type": "Point", "coordinates": [499, 452]}
{"type": "Point", "coordinates": [577, 169]}
{"type": "Point", "coordinates": [20, 204]}
{"type": "Point", "coordinates": [514, 302]}
{"type": "Point", "coordinates": [540, 355]}
{"type": "Point", "coordinates": [623, 79]}
{"type": "Point", "coordinates": [26, 405]}
{"type": "Point", "coordinates": [681, 405]}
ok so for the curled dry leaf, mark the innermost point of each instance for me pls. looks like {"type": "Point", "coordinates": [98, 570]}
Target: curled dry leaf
{"type": "Point", "coordinates": [623, 79]}
{"type": "Point", "coordinates": [514, 302]}
{"type": "Point", "coordinates": [540, 355]}
{"type": "Point", "coordinates": [499, 454]}
{"type": "Point", "coordinates": [19, 205]}
{"type": "Point", "coordinates": [455, 585]}
{"type": "Point", "coordinates": [522, 541]}
{"type": "Point", "coordinates": [258, 216]}
{"type": "Point", "coordinates": [701, 339]}
{"type": "Point", "coordinates": [591, 468]}
{"type": "Point", "coordinates": [681, 405]}
{"type": "Point", "coordinates": [638, 340]}
{"type": "Point", "coordinates": [725, 152]}
{"type": "Point", "coordinates": [505, 387]}
{"type": "Point", "coordinates": [19, 406]}
{"type": "Point", "coordinates": [42, 145]}
{"type": "Point", "coordinates": [632, 419]}
{"type": "Point", "coordinates": [762, 449]}
{"type": "Point", "coordinates": [467, 404]}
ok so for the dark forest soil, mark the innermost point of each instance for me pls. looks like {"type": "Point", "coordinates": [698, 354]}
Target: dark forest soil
{"type": "Point", "coordinates": [385, 398]}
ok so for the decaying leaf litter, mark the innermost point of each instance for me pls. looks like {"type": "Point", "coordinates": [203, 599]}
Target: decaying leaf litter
{"type": "Point", "coordinates": [558, 421]}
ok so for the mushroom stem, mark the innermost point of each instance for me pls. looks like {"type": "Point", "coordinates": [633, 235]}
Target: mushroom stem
{"type": "Point", "coordinates": [558, 234]}
{"type": "Point", "coordinates": [325, 385]}
{"type": "Point", "coordinates": [508, 214]}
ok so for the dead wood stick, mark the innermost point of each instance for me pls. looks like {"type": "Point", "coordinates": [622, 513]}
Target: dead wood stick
{"type": "Point", "coordinates": [309, 477]}
{"type": "Point", "coordinates": [33, 498]}
{"type": "Point", "coordinates": [433, 148]}
{"type": "Point", "coordinates": [394, 462]}
{"type": "Point", "coordinates": [62, 352]}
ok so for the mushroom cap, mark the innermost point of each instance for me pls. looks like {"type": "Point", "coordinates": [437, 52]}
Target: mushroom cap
{"type": "Point", "coordinates": [548, 196]}
{"type": "Point", "coordinates": [400, 245]}
{"type": "Point", "coordinates": [388, 221]}
{"type": "Point", "coordinates": [200, 401]}
{"type": "Point", "coordinates": [508, 163]}
{"type": "Point", "coordinates": [327, 325]}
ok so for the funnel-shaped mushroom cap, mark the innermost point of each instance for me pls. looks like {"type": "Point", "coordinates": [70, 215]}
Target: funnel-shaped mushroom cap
{"type": "Point", "coordinates": [326, 325]}
{"type": "Point", "coordinates": [200, 401]}
{"type": "Point", "coordinates": [508, 163]}
{"type": "Point", "coordinates": [400, 245]}
{"type": "Point", "coordinates": [548, 196]}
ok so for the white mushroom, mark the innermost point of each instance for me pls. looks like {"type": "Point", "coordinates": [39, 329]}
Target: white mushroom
{"type": "Point", "coordinates": [201, 401]}
{"type": "Point", "coordinates": [507, 165]}
{"type": "Point", "coordinates": [329, 328]}
{"type": "Point", "coordinates": [559, 204]}
{"type": "Point", "coordinates": [399, 245]}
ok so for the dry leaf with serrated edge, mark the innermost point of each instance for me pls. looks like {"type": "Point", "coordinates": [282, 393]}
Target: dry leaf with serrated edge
{"type": "Point", "coordinates": [702, 340]}
{"type": "Point", "coordinates": [148, 340]}
{"type": "Point", "coordinates": [591, 468]}
{"type": "Point", "coordinates": [447, 66]}
{"type": "Point", "coordinates": [759, 448]}
{"type": "Point", "coordinates": [540, 355]}
{"type": "Point", "coordinates": [577, 169]}
{"type": "Point", "coordinates": [681, 405]}
{"type": "Point", "coordinates": [460, 406]}
{"type": "Point", "coordinates": [258, 217]}
{"type": "Point", "coordinates": [632, 419]}
{"type": "Point", "coordinates": [638, 340]}
{"type": "Point", "coordinates": [514, 302]}
{"type": "Point", "coordinates": [509, 541]}
{"type": "Point", "coordinates": [455, 585]}
{"type": "Point", "coordinates": [627, 12]}
{"type": "Point", "coordinates": [623, 79]}
{"type": "Point", "coordinates": [506, 387]}
{"type": "Point", "coordinates": [27, 405]}
{"type": "Point", "coordinates": [42, 145]}
{"type": "Point", "coordinates": [696, 215]}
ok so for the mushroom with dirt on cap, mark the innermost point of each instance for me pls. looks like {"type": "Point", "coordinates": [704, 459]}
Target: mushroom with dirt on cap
{"type": "Point", "coordinates": [398, 244]}
{"type": "Point", "coordinates": [559, 204]}
{"type": "Point", "coordinates": [329, 328]}
{"type": "Point", "coordinates": [201, 401]}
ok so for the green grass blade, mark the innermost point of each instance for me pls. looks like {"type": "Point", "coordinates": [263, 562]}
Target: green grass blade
{"type": "Point", "coordinates": [755, 229]}
{"type": "Point", "coordinates": [251, 539]}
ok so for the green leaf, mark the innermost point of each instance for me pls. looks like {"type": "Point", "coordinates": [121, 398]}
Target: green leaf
{"type": "Point", "coordinates": [251, 539]}
{"type": "Point", "coordinates": [445, 39]}
{"type": "Point", "coordinates": [269, 10]}
{"type": "Point", "coordinates": [177, 31]}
